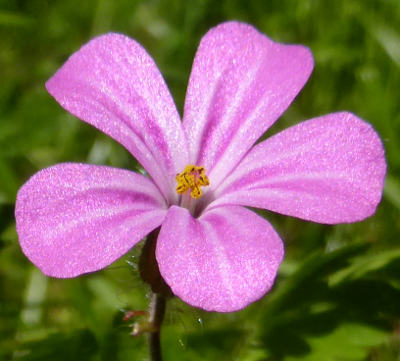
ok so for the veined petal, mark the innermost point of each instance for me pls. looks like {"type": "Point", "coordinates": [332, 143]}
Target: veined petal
{"type": "Point", "coordinates": [329, 169]}
{"type": "Point", "coordinates": [78, 218]}
{"type": "Point", "coordinates": [241, 82]}
{"type": "Point", "coordinates": [222, 261]}
{"type": "Point", "coordinates": [114, 85]}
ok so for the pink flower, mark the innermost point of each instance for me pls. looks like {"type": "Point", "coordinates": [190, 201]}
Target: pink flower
{"type": "Point", "coordinates": [213, 252]}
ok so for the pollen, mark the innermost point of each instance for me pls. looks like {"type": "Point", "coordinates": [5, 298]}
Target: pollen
{"type": "Point", "coordinates": [192, 178]}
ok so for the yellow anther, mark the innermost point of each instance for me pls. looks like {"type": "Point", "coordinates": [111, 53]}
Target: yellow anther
{"type": "Point", "coordinates": [192, 178]}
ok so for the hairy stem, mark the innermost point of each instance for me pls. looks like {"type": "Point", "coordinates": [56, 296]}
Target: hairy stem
{"type": "Point", "coordinates": [156, 317]}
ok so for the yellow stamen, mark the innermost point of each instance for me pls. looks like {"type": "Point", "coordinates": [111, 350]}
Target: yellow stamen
{"type": "Point", "coordinates": [192, 178]}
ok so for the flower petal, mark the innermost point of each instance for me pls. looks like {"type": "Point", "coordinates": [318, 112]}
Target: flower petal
{"type": "Point", "coordinates": [329, 169]}
{"type": "Point", "coordinates": [78, 218]}
{"type": "Point", "coordinates": [241, 82]}
{"type": "Point", "coordinates": [114, 85]}
{"type": "Point", "coordinates": [222, 261]}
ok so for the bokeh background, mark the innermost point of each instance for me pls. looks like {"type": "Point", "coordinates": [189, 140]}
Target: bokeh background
{"type": "Point", "coordinates": [337, 296]}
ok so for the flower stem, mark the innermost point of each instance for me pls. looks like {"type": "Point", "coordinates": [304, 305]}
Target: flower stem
{"type": "Point", "coordinates": [156, 317]}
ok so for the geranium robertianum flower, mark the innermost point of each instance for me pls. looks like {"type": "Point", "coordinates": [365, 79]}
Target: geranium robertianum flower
{"type": "Point", "coordinates": [202, 172]}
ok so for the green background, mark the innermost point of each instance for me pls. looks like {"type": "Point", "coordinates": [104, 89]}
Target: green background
{"type": "Point", "coordinates": [337, 296]}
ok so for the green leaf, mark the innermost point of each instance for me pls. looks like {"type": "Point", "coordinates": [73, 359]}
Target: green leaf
{"type": "Point", "coordinates": [79, 345]}
{"type": "Point", "coordinates": [310, 275]}
{"type": "Point", "coordinates": [349, 342]}
{"type": "Point", "coordinates": [14, 19]}
{"type": "Point", "coordinates": [392, 190]}
{"type": "Point", "coordinates": [365, 264]}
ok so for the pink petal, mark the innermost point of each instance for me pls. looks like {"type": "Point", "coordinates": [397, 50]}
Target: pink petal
{"type": "Point", "coordinates": [114, 85]}
{"type": "Point", "coordinates": [329, 169]}
{"type": "Point", "coordinates": [241, 82]}
{"type": "Point", "coordinates": [222, 261]}
{"type": "Point", "coordinates": [77, 218]}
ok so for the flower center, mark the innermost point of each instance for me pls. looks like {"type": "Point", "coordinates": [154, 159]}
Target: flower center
{"type": "Point", "coordinates": [192, 178]}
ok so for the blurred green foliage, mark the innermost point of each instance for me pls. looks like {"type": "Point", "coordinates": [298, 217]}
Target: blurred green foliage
{"type": "Point", "coordinates": [337, 296]}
